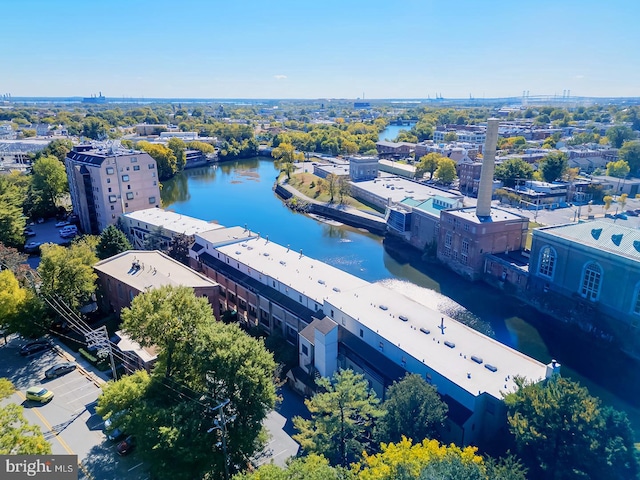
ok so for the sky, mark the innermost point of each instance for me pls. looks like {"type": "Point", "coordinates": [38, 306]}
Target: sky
{"type": "Point", "coordinates": [312, 49]}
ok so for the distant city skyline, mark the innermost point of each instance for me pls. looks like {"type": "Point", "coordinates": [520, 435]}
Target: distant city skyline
{"type": "Point", "coordinates": [331, 49]}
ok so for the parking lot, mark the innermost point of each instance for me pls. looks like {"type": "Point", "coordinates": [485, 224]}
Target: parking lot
{"type": "Point", "coordinates": [69, 421]}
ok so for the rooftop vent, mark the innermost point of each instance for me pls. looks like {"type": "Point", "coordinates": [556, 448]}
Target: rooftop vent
{"type": "Point", "coordinates": [425, 330]}
{"type": "Point", "coordinates": [491, 367]}
{"type": "Point", "coordinates": [403, 318]}
{"type": "Point", "coordinates": [476, 359]}
{"type": "Point", "coordinates": [449, 344]}
{"type": "Point", "coordinates": [321, 282]}
{"type": "Point", "coordinates": [238, 252]}
{"type": "Point", "coordinates": [335, 289]}
{"type": "Point", "coordinates": [282, 262]}
{"type": "Point", "coordinates": [265, 254]}
{"type": "Point", "coordinates": [384, 307]}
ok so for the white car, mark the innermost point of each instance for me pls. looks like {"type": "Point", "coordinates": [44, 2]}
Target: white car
{"type": "Point", "coordinates": [62, 223]}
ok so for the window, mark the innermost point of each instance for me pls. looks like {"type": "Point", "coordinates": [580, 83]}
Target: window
{"type": "Point", "coordinates": [447, 244]}
{"type": "Point", "coordinates": [108, 180]}
{"type": "Point", "coordinates": [547, 261]}
{"type": "Point", "coordinates": [129, 195]}
{"type": "Point", "coordinates": [305, 350]}
{"type": "Point", "coordinates": [134, 160]}
{"type": "Point", "coordinates": [112, 199]}
{"type": "Point", "coordinates": [466, 227]}
{"type": "Point", "coordinates": [126, 205]}
{"type": "Point", "coordinates": [591, 279]}
{"type": "Point", "coordinates": [464, 253]}
{"type": "Point", "coordinates": [361, 333]}
{"type": "Point", "coordinates": [136, 168]}
{"type": "Point", "coordinates": [112, 207]}
{"type": "Point", "coordinates": [151, 166]}
{"type": "Point", "coordinates": [109, 189]}
{"type": "Point", "coordinates": [152, 200]}
{"type": "Point", "coordinates": [110, 170]}
{"type": "Point", "coordinates": [636, 302]}
{"type": "Point", "coordinates": [125, 178]}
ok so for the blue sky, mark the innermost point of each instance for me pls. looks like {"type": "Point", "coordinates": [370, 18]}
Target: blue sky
{"type": "Point", "coordinates": [319, 49]}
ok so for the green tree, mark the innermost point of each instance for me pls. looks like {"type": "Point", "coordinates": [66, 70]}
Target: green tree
{"type": "Point", "coordinates": [178, 147]}
{"type": "Point", "coordinates": [510, 170]}
{"type": "Point", "coordinates": [309, 467]}
{"type": "Point", "coordinates": [95, 128]}
{"type": "Point", "coordinates": [619, 169]}
{"type": "Point", "coordinates": [446, 171]}
{"type": "Point", "coordinates": [67, 272]}
{"type": "Point", "coordinates": [156, 239]}
{"type": "Point", "coordinates": [562, 432]}
{"type": "Point", "coordinates": [344, 187]}
{"type": "Point", "coordinates": [112, 241]}
{"type": "Point", "coordinates": [17, 436]}
{"type": "Point", "coordinates": [49, 182]}
{"type": "Point", "coordinates": [12, 296]}
{"type": "Point", "coordinates": [451, 137]}
{"type": "Point", "coordinates": [166, 317]}
{"type": "Point", "coordinates": [164, 157]}
{"type": "Point", "coordinates": [413, 409]}
{"type": "Point", "coordinates": [179, 248]}
{"type": "Point", "coordinates": [285, 155]}
{"type": "Point", "coordinates": [428, 163]}
{"type": "Point", "coordinates": [12, 222]}
{"type": "Point", "coordinates": [58, 148]}
{"type": "Point", "coordinates": [343, 414]}
{"type": "Point", "coordinates": [630, 153]}
{"type": "Point", "coordinates": [331, 183]}
{"type": "Point", "coordinates": [618, 134]}
{"type": "Point", "coordinates": [553, 166]}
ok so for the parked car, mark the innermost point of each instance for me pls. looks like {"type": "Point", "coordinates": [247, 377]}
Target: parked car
{"type": "Point", "coordinates": [29, 232]}
{"type": "Point", "coordinates": [632, 213]}
{"type": "Point", "coordinates": [37, 346]}
{"type": "Point", "coordinates": [39, 394]}
{"type": "Point", "coordinates": [621, 216]}
{"type": "Point", "coordinates": [126, 446]}
{"type": "Point", "coordinates": [32, 247]}
{"type": "Point", "coordinates": [113, 433]}
{"type": "Point", "coordinates": [60, 369]}
{"type": "Point", "coordinates": [68, 234]}
{"type": "Point", "coordinates": [62, 223]}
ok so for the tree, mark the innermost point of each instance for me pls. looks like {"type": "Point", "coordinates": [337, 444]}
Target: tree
{"type": "Point", "coordinates": [58, 148]}
{"type": "Point", "coordinates": [344, 187]}
{"type": "Point", "coordinates": [166, 317]}
{"type": "Point", "coordinates": [179, 248]}
{"type": "Point", "coordinates": [164, 157]}
{"type": "Point", "coordinates": [405, 460]}
{"type": "Point", "coordinates": [112, 241]}
{"type": "Point", "coordinates": [510, 170]}
{"type": "Point", "coordinates": [622, 200]}
{"type": "Point", "coordinates": [451, 137]}
{"type": "Point", "coordinates": [331, 183]}
{"type": "Point", "coordinates": [618, 134]}
{"type": "Point", "coordinates": [343, 413]}
{"type": "Point", "coordinates": [95, 128]}
{"type": "Point", "coordinates": [553, 166]}
{"type": "Point", "coordinates": [67, 272]}
{"type": "Point", "coordinates": [17, 436]}
{"type": "Point", "coordinates": [309, 467]}
{"type": "Point", "coordinates": [156, 239]}
{"type": "Point", "coordinates": [49, 181]}
{"type": "Point", "coordinates": [562, 432]}
{"type": "Point", "coordinates": [619, 169]}
{"type": "Point", "coordinates": [630, 153]}
{"type": "Point", "coordinates": [12, 222]}
{"type": "Point", "coordinates": [428, 163]}
{"type": "Point", "coordinates": [285, 155]}
{"type": "Point", "coordinates": [12, 296]}
{"type": "Point", "coordinates": [413, 409]}
{"type": "Point", "coordinates": [178, 147]}
{"type": "Point", "coordinates": [446, 171]}
{"type": "Point", "coordinates": [608, 200]}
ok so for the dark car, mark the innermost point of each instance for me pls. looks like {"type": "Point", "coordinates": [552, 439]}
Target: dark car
{"type": "Point", "coordinates": [631, 213]}
{"type": "Point", "coordinates": [29, 232]}
{"type": "Point", "coordinates": [34, 347]}
{"type": "Point", "coordinates": [60, 369]}
{"type": "Point", "coordinates": [126, 446]}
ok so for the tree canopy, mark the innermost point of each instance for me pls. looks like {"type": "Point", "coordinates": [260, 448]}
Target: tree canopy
{"type": "Point", "coordinates": [510, 170]}
{"type": "Point", "coordinates": [428, 163]}
{"type": "Point", "coordinates": [112, 241]}
{"type": "Point", "coordinates": [618, 134]}
{"type": "Point", "coordinates": [49, 183]}
{"type": "Point", "coordinates": [12, 222]}
{"type": "Point", "coordinates": [413, 409]}
{"type": "Point", "coordinates": [562, 432]}
{"type": "Point", "coordinates": [343, 416]}
{"type": "Point", "coordinates": [17, 436]}
{"type": "Point", "coordinates": [165, 158]}
{"type": "Point", "coordinates": [553, 166]}
{"type": "Point", "coordinates": [630, 153]}
{"type": "Point", "coordinates": [618, 169]}
{"type": "Point", "coordinates": [446, 171]}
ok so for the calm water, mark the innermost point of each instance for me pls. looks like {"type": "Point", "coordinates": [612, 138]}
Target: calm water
{"type": "Point", "coordinates": [241, 193]}
{"type": "Point", "coordinates": [391, 132]}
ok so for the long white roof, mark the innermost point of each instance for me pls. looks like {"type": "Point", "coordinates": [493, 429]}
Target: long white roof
{"type": "Point", "coordinates": [171, 221]}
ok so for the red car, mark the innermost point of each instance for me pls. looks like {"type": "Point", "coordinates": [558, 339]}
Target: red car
{"type": "Point", "coordinates": [126, 446]}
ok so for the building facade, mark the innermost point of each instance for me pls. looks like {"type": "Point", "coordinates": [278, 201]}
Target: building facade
{"type": "Point", "coordinates": [104, 183]}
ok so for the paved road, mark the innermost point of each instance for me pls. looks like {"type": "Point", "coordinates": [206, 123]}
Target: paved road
{"type": "Point", "coordinates": [69, 422]}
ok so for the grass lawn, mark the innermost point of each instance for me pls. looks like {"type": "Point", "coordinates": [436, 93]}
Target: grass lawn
{"type": "Point", "coordinates": [303, 183]}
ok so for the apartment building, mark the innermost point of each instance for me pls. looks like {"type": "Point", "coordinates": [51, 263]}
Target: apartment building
{"type": "Point", "coordinates": [107, 181]}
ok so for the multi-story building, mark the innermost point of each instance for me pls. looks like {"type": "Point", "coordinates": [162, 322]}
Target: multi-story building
{"type": "Point", "coordinates": [165, 225]}
{"type": "Point", "coordinates": [592, 269]}
{"type": "Point", "coordinates": [340, 321]}
{"type": "Point", "coordinates": [106, 182]}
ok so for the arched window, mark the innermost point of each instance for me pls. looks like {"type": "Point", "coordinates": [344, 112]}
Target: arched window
{"type": "Point", "coordinates": [591, 281]}
{"type": "Point", "coordinates": [547, 261]}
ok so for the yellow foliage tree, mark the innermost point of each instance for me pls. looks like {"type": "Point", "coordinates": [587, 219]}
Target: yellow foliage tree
{"type": "Point", "coordinates": [406, 459]}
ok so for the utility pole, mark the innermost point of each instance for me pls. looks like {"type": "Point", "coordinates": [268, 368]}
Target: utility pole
{"type": "Point", "coordinates": [220, 423]}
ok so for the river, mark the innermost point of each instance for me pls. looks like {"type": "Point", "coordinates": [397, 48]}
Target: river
{"type": "Point", "coordinates": [241, 193]}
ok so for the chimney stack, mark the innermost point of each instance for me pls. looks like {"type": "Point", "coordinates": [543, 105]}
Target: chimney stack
{"type": "Point", "coordinates": [485, 190]}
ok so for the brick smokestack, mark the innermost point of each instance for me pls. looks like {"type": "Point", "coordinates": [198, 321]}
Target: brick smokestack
{"type": "Point", "coordinates": [485, 190]}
